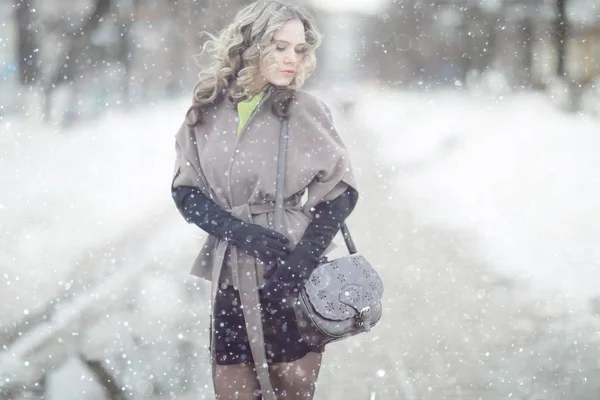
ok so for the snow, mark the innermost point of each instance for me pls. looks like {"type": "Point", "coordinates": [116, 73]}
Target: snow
{"type": "Point", "coordinates": [519, 174]}
{"type": "Point", "coordinates": [584, 11]}
{"type": "Point", "coordinates": [87, 210]}
{"type": "Point", "coordinates": [73, 192]}
{"type": "Point", "coordinates": [90, 239]}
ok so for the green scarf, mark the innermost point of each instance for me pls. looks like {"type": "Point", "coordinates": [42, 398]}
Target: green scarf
{"type": "Point", "coordinates": [246, 107]}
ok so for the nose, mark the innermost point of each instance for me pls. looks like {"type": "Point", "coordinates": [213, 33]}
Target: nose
{"type": "Point", "coordinates": [290, 57]}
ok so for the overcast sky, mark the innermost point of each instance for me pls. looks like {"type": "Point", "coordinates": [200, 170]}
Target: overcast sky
{"type": "Point", "coordinates": [366, 6]}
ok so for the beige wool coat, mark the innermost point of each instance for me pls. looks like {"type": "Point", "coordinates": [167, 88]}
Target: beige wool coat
{"type": "Point", "coordinates": [238, 172]}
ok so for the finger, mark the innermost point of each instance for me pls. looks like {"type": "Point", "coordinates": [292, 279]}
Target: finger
{"type": "Point", "coordinates": [274, 254]}
{"type": "Point", "coordinates": [278, 236]}
{"type": "Point", "coordinates": [276, 246]}
{"type": "Point", "coordinates": [267, 255]}
{"type": "Point", "coordinates": [270, 271]}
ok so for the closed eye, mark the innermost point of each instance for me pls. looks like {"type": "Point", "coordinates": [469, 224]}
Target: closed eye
{"type": "Point", "coordinates": [282, 45]}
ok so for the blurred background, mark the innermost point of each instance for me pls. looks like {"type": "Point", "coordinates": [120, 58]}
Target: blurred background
{"type": "Point", "coordinates": [83, 57]}
{"type": "Point", "coordinates": [475, 133]}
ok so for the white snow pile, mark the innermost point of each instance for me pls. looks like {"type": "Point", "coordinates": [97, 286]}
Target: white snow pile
{"type": "Point", "coordinates": [521, 175]}
{"type": "Point", "coordinates": [67, 193]}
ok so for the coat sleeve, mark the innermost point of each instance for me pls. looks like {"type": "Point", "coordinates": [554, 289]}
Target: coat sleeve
{"type": "Point", "coordinates": [187, 170]}
{"type": "Point", "coordinates": [325, 155]}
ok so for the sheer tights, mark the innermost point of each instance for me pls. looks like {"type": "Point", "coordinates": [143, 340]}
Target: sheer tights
{"type": "Point", "coordinates": [290, 380]}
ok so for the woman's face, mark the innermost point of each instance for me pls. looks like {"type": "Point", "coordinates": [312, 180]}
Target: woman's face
{"type": "Point", "coordinates": [280, 67]}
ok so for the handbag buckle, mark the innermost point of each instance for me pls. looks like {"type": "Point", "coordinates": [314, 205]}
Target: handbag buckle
{"type": "Point", "coordinates": [364, 317]}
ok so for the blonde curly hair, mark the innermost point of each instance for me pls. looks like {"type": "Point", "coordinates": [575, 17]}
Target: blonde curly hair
{"type": "Point", "coordinates": [238, 49]}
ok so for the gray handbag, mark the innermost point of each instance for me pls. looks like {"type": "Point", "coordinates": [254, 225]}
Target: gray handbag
{"type": "Point", "coordinates": [342, 297]}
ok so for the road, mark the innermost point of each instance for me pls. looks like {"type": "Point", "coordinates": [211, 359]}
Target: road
{"type": "Point", "coordinates": [453, 326]}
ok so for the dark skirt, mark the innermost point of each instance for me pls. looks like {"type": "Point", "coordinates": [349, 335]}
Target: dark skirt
{"type": "Point", "coordinates": [283, 342]}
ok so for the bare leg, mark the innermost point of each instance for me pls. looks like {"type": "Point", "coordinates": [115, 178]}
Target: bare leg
{"type": "Point", "coordinates": [296, 379]}
{"type": "Point", "coordinates": [237, 382]}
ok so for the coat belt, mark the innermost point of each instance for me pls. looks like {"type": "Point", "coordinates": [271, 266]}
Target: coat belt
{"type": "Point", "coordinates": [247, 285]}
{"type": "Point", "coordinates": [246, 213]}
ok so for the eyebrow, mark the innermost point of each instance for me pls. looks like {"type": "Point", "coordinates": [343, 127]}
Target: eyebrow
{"type": "Point", "coordinates": [285, 41]}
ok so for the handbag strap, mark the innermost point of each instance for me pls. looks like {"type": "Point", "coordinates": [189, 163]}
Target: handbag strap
{"type": "Point", "coordinates": [281, 170]}
{"type": "Point", "coordinates": [280, 186]}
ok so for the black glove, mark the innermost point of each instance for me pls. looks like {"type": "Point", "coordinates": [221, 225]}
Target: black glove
{"type": "Point", "coordinates": [292, 273]}
{"type": "Point", "coordinates": [262, 243]}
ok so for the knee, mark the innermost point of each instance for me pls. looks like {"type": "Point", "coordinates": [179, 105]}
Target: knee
{"type": "Point", "coordinates": [236, 382]}
{"type": "Point", "coordinates": [297, 384]}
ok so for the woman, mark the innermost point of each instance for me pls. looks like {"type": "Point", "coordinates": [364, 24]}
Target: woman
{"type": "Point", "coordinates": [224, 182]}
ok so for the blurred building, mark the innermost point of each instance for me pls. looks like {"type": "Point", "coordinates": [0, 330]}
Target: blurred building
{"type": "Point", "coordinates": [140, 51]}
{"type": "Point", "coordinates": [416, 43]}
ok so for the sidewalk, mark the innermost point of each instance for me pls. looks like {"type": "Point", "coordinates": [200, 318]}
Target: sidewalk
{"type": "Point", "coordinates": [66, 195]}
{"type": "Point", "coordinates": [455, 325]}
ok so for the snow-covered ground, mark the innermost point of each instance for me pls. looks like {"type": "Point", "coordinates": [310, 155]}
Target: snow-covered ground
{"type": "Point", "coordinates": [67, 193]}
{"type": "Point", "coordinates": [523, 177]}
{"type": "Point", "coordinates": [458, 191]}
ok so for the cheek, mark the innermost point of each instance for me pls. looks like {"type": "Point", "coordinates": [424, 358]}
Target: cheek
{"type": "Point", "coordinates": [278, 57]}
{"type": "Point", "coordinates": [269, 69]}
{"type": "Point", "coordinates": [262, 69]}
{"type": "Point", "coordinates": [267, 66]}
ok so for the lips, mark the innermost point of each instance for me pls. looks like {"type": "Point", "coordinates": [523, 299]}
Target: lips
{"type": "Point", "coordinates": [289, 71]}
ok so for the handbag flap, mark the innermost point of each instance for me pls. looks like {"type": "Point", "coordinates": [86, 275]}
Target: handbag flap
{"type": "Point", "coordinates": [341, 288]}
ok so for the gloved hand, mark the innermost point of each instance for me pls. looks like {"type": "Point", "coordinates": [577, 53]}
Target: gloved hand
{"type": "Point", "coordinates": [290, 275]}
{"type": "Point", "coordinates": [262, 243]}
{"type": "Point", "coordinates": [288, 278]}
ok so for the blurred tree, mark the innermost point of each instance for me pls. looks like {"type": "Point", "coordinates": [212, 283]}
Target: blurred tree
{"type": "Point", "coordinates": [126, 17]}
{"type": "Point", "coordinates": [560, 36]}
{"type": "Point", "coordinates": [106, 379]}
{"type": "Point", "coordinates": [79, 37]}
{"type": "Point", "coordinates": [27, 46]}
{"type": "Point", "coordinates": [527, 42]}
{"type": "Point", "coordinates": [177, 47]}
{"type": "Point", "coordinates": [63, 68]}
